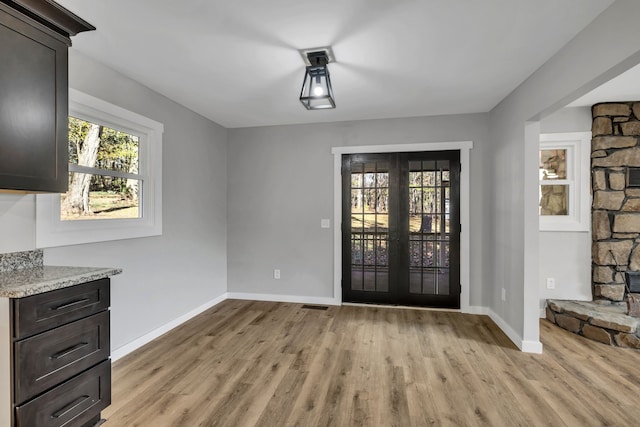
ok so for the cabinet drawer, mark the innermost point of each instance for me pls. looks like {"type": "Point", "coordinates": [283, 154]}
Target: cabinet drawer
{"type": "Point", "coordinates": [49, 358]}
{"type": "Point", "coordinates": [71, 404]}
{"type": "Point", "coordinates": [39, 313]}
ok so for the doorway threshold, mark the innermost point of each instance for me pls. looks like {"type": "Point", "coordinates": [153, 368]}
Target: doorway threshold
{"type": "Point", "coordinates": [402, 307]}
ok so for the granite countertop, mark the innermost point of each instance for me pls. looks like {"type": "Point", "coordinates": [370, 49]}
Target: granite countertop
{"type": "Point", "coordinates": [22, 274]}
{"type": "Point", "coordinates": [32, 281]}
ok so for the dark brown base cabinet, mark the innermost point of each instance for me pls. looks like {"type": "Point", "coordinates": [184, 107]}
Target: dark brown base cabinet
{"type": "Point", "coordinates": [60, 347]}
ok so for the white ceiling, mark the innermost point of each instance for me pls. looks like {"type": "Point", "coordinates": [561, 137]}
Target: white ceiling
{"type": "Point", "coordinates": [237, 62]}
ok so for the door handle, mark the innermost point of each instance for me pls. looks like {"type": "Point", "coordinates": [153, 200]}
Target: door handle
{"type": "Point", "coordinates": [70, 407]}
{"type": "Point", "coordinates": [69, 304]}
{"type": "Point", "coordinates": [68, 351]}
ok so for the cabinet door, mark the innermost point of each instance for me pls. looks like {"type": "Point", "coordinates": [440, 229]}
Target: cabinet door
{"type": "Point", "coordinates": [33, 106]}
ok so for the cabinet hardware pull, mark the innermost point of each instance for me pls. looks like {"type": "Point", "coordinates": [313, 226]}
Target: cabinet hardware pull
{"type": "Point", "coordinates": [70, 407]}
{"type": "Point", "coordinates": [68, 351]}
{"type": "Point", "coordinates": [70, 304]}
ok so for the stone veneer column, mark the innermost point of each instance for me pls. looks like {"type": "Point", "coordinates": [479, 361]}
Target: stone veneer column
{"type": "Point", "coordinates": [615, 208]}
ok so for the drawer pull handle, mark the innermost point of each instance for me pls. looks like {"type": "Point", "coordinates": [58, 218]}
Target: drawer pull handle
{"type": "Point", "coordinates": [70, 407]}
{"type": "Point", "coordinates": [70, 304]}
{"type": "Point", "coordinates": [68, 351]}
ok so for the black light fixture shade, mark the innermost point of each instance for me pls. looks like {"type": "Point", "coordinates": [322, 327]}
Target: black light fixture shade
{"type": "Point", "coordinates": [317, 93]}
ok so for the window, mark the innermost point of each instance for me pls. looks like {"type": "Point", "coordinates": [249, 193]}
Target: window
{"type": "Point", "coordinates": [104, 180]}
{"type": "Point", "coordinates": [115, 178]}
{"type": "Point", "coordinates": [564, 181]}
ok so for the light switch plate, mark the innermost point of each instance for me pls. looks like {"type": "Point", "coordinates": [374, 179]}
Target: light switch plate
{"type": "Point", "coordinates": [325, 223]}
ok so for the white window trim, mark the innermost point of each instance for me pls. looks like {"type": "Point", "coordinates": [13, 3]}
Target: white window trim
{"type": "Point", "coordinates": [51, 231]}
{"type": "Point", "coordinates": [578, 146]}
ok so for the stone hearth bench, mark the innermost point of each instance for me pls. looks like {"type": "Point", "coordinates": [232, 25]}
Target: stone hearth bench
{"type": "Point", "coordinates": [604, 322]}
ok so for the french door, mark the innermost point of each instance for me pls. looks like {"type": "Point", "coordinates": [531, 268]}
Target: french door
{"type": "Point", "coordinates": [401, 228]}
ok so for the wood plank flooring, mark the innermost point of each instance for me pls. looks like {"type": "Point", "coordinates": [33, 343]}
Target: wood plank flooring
{"type": "Point", "coordinates": [245, 363]}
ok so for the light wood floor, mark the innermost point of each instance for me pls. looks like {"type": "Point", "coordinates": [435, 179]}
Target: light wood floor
{"type": "Point", "coordinates": [246, 363]}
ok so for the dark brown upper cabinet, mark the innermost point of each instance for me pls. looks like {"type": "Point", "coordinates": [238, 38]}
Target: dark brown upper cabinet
{"type": "Point", "coordinates": [34, 42]}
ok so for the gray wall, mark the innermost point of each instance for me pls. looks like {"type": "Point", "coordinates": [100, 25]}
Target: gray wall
{"type": "Point", "coordinates": [166, 276]}
{"type": "Point", "coordinates": [566, 255]}
{"type": "Point", "coordinates": [607, 47]}
{"type": "Point", "coordinates": [281, 185]}
{"type": "Point", "coordinates": [17, 222]}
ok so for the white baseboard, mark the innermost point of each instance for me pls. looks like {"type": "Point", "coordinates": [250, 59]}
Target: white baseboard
{"type": "Point", "coordinates": [531, 347]}
{"type": "Point", "coordinates": [524, 346]}
{"type": "Point", "coordinates": [508, 330]}
{"type": "Point", "coordinates": [283, 298]}
{"type": "Point", "coordinates": [476, 309]}
{"type": "Point", "coordinates": [146, 338]}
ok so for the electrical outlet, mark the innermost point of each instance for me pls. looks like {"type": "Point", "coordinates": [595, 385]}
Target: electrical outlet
{"type": "Point", "coordinates": [551, 283]}
{"type": "Point", "coordinates": [276, 273]}
{"type": "Point", "coordinates": [504, 294]}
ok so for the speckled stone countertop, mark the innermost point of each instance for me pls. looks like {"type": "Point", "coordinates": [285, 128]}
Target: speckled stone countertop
{"type": "Point", "coordinates": [22, 274]}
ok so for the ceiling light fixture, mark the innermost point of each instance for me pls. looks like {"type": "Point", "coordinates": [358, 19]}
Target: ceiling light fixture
{"type": "Point", "coordinates": [317, 93]}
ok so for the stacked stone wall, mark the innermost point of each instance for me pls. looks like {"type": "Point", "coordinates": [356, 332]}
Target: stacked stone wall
{"type": "Point", "coordinates": [615, 148]}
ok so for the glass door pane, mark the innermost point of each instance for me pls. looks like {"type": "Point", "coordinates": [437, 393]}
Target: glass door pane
{"type": "Point", "coordinates": [370, 226]}
{"type": "Point", "coordinates": [429, 227]}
